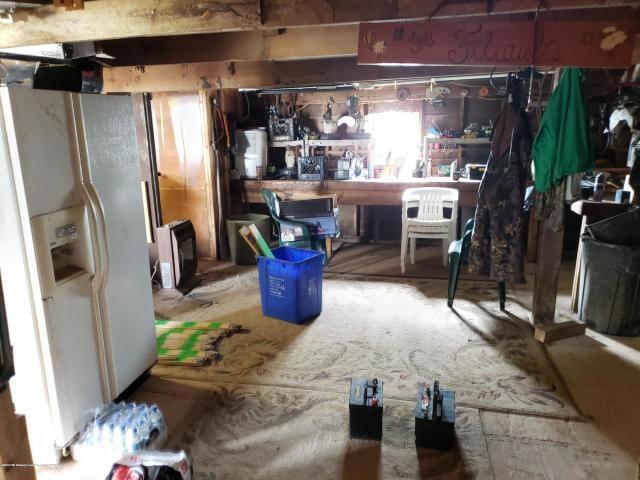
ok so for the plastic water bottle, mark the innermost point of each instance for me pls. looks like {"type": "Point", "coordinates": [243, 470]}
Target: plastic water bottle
{"type": "Point", "coordinates": [108, 434]}
{"type": "Point", "coordinates": [118, 441]}
{"type": "Point", "coordinates": [144, 431]}
{"type": "Point", "coordinates": [156, 418]}
{"type": "Point", "coordinates": [132, 439]}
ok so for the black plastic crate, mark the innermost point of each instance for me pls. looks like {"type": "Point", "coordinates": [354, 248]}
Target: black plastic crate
{"type": "Point", "coordinates": [365, 408]}
{"type": "Point", "coordinates": [311, 168]}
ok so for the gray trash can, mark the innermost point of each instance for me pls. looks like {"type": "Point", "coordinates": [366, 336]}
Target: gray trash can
{"type": "Point", "coordinates": [240, 252]}
{"type": "Point", "coordinates": [610, 287]}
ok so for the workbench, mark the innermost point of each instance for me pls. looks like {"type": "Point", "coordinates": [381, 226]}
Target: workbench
{"type": "Point", "coordinates": [351, 192]}
{"type": "Point", "coordinates": [355, 198]}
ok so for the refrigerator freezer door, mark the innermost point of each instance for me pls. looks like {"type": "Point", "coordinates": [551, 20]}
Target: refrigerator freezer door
{"type": "Point", "coordinates": [73, 354]}
{"type": "Point", "coordinates": [112, 158]}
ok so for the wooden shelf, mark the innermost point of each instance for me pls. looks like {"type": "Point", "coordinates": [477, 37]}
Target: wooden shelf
{"type": "Point", "coordinates": [346, 142]}
{"type": "Point", "coordinates": [460, 141]}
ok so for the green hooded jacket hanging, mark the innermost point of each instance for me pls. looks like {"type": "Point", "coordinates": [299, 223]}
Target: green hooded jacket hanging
{"type": "Point", "coordinates": [561, 146]}
{"type": "Point", "coordinates": [497, 246]}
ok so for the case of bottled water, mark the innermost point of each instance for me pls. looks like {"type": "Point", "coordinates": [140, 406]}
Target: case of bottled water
{"type": "Point", "coordinates": [120, 428]}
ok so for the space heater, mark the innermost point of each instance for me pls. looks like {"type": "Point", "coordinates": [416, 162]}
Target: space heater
{"type": "Point", "coordinates": [177, 256]}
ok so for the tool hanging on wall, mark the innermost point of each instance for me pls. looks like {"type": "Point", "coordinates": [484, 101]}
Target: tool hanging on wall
{"type": "Point", "coordinates": [532, 71]}
{"type": "Point", "coordinates": [327, 117]}
{"type": "Point", "coordinates": [403, 94]}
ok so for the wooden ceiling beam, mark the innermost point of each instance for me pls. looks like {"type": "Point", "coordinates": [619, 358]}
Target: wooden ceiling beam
{"type": "Point", "coordinates": [261, 74]}
{"type": "Point", "coordinates": [281, 44]}
{"type": "Point", "coordinates": [110, 19]}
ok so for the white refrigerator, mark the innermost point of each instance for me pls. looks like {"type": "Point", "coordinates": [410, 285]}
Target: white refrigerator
{"type": "Point", "coordinates": [74, 256]}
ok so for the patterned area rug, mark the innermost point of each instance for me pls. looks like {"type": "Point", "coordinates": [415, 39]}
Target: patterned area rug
{"type": "Point", "coordinates": [399, 330]}
{"type": "Point", "coordinates": [281, 433]}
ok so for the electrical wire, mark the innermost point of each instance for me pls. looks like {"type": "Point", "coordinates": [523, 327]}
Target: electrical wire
{"type": "Point", "coordinates": [248, 115]}
{"type": "Point", "coordinates": [217, 108]}
{"type": "Point", "coordinates": [155, 269]}
{"type": "Point", "coordinates": [455, 82]}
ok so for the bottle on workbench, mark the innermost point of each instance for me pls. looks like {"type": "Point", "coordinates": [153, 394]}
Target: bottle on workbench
{"type": "Point", "coordinates": [428, 167]}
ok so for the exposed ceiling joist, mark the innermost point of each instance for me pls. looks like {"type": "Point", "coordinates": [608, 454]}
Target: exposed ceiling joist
{"type": "Point", "coordinates": [282, 44]}
{"type": "Point", "coordinates": [261, 74]}
{"type": "Point", "coordinates": [110, 19]}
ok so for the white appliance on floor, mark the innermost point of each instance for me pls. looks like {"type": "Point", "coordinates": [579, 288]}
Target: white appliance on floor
{"type": "Point", "coordinates": [74, 255]}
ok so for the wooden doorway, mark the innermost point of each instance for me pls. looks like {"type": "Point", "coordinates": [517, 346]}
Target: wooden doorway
{"type": "Point", "coordinates": [183, 160]}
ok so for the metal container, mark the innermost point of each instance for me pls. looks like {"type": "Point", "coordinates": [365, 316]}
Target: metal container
{"type": "Point", "coordinates": [610, 287]}
{"type": "Point", "coordinates": [251, 152]}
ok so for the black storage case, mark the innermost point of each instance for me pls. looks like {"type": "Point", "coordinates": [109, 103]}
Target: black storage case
{"type": "Point", "coordinates": [307, 208]}
{"type": "Point", "coordinates": [365, 408]}
{"type": "Point", "coordinates": [435, 431]}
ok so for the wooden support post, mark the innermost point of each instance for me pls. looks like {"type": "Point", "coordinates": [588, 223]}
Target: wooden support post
{"type": "Point", "coordinates": [461, 111]}
{"type": "Point", "coordinates": [226, 103]}
{"type": "Point", "coordinates": [545, 289]}
{"type": "Point", "coordinates": [210, 173]}
{"type": "Point", "coordinates": [547, 268]}
{"type": "Point", "coordinates": [533, 237]}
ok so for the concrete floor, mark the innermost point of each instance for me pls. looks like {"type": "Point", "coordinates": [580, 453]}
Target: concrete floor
{"type": "Point", "coordinates": [601, 373]}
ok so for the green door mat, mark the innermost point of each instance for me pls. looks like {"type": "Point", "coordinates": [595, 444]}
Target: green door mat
{"type": "Point", "coordinates": [190, 343]}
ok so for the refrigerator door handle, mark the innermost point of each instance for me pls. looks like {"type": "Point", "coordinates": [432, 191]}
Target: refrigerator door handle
{"type": "Point", "coordinates": [99, 240]}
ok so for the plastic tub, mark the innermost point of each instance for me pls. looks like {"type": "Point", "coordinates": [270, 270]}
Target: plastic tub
{"type": "Point", "coordinates": [610, 287]}
{"type": "Point", "coordinates": [291, 284]}
{"type": "Point", "coordinates": [241, 253]}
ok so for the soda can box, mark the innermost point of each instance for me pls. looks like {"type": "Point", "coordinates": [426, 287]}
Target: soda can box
{"type": "Point", "coordinates": [435, 416]}
{"type": "Point", "coordinates": [365, 408]}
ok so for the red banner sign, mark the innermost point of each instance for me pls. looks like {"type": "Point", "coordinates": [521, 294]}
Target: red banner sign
{"type": "Point", "coordinates": [548, 44]}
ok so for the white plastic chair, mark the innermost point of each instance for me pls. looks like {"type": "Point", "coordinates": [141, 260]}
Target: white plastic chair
{"type": "Point", "coordinates": [430, 221]}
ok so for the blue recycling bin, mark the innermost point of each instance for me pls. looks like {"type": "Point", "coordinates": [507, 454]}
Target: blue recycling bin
{"type": "Point", "coordinates": [291, 284]}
